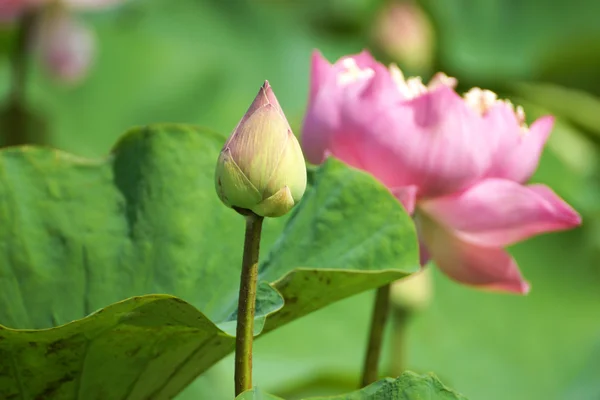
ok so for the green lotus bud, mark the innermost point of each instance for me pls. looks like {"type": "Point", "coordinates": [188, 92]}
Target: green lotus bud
{"type": "Point", "coordinates": [261, 167]}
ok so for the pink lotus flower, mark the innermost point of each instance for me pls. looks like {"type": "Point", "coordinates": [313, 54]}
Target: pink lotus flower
{"type": "Point", "coordinates": [457, 164]}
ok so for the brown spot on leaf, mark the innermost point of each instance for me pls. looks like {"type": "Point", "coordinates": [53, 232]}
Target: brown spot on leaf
{"type": "Point", "coordinates": [133, 352]}
{"type": "Point", "coordinates": [53, 387]}
{"type": "Point", "coordinates": [56, 346]}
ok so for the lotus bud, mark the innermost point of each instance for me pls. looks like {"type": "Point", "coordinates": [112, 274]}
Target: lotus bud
{"type": "Point", "coordinates": [261, 167]}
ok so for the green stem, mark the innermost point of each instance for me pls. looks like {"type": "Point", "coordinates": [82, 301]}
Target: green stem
{"type": "Point", "coordinates": [247, 304]}
{"type": "Point", "coordinates": [20, 57]}
{"type": "Point", "coordinates": [378, 320]}
{"type": "Point", "coordinates": [400, 317]}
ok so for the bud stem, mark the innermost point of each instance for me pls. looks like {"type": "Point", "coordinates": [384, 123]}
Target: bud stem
{"type": "Point", "coordinates": [378, 320]}
{"type": "Point", "coordinates": [400, 319]}
{"type": "Point", "coordinates": [247, 304]}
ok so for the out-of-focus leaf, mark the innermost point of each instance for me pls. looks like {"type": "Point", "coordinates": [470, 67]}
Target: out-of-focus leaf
{"type": "Point", "coordinates": [409, 386]}
{"type": "Point", "coordinates": [576, 106]}
{"type": "Point", "coordinates": [477, 45]}
{"type": "Point", "coordinates": [572, 61]}
{"type": "Point", "coordinates": [186, 67]}
{"type": "Point", "coordinates": [256, 394]}
{"type": "Point", "coordinates": [7, 40]}
{"type": "Point", "coordinates": [586, 384]}
{"type": "Point", "coordinates": [80, 234]}
{"type": "Point", "coordinates": [141, 348]}
{"type": "Point", "coordinates": [342, 17]}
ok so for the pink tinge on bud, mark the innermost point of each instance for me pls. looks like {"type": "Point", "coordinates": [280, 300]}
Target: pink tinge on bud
{"type": "Point", "coordinates": [261, 167]}
{"type": "Point", "coordinates": [66, 47]}
{"type": "Point", "coordinates": [264, 97]}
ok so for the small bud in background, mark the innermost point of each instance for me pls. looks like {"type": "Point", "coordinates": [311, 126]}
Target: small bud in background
{"type": "Point", "coordinates": [414, 293]}
{"type": "Point", "coordinates": [11, 10]}
{"type": "Point", "coordinates": [404, 32]}
{"type": "Point", "coordinates": [91, 4]}
{"type": "Point", "coordinates": [261, 167]}
{"type": "Point", "coordinates": [65, 45]}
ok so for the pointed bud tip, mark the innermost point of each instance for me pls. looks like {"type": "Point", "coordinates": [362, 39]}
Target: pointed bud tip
{"type": "Point", "coordinates": [261, 167]}
{"type": "Point", "coordinates": [268, 93]}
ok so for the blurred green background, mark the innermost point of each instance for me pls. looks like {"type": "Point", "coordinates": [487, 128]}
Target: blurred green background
{"type": "Point", "coordinates": [202, 61]}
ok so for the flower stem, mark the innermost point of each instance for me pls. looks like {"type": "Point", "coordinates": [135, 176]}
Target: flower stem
{"type": "Point", "coordinates": [247, 304]}
{"type": "Point", "coordinates": [378, 320]}
{"type": "Point", "coordinates": [20, 57]}
{"type": "Point", "coordinates": [16, 118]}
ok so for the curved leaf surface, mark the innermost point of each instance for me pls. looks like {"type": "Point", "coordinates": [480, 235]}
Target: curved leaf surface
{"type": "Point", "coordinates": [256, 394]}
{"type": "Point", "coordinates": [78, 235]}
{"type": "Point", "coordinates": [141, 348]}
{"type": "Point", "coordinates": [409, 386]}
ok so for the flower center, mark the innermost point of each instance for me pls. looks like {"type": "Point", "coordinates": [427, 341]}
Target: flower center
{"type": "Point", "coordinates": [414, 86]}
{"type": "Point", "coordinates": [482, 101]}
{"type": "Point", "coordinates": [353, 73]}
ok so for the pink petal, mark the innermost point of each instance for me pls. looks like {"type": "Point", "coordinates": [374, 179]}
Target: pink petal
{"type": "Point", "coordinates": [524, 160]}
{"type": "Point", "coordinates": [320, 121]}
{"type": "Point", "coordinates": [517, 151]}
{"type": "Point", "coordinates": [320, 70]}
{"type": "Point", "coordinates": [488, 268]}
{"type": "Point", "coordinates": [382, 89]}
{"type": "Point", "coordinates": [498, 212]}
{"type": "Point", "coordinates": [434, 142]}
{"type": "Point", "coordinates": [364, 60]}
{"type": "Point", "coordinates": [407, 196]}
{"type": "Point", "coordinates": [322, 117]}
{"type": "Point", "coordinates": [380, 85]}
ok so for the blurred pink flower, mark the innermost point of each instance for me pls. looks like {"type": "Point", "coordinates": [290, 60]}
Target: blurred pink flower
{"type": "Point", "coordinates": [66, 46]}
{"type": "Point", "coordinates": [91, 4]}
{"type": "Point", "coordinates": [11, 9]}
{"type": "Point", "coordinates": [457, 164]}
